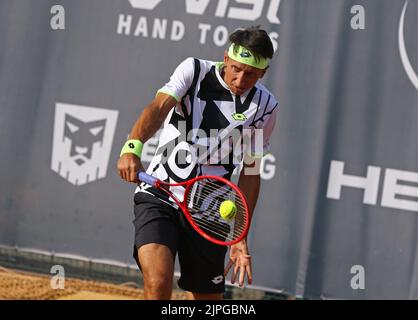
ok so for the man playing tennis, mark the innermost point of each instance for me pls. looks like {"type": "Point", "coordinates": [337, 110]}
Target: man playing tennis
{"type": "Point", "coordinates": [201, 95]}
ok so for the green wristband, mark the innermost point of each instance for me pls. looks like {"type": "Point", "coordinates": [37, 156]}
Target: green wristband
{"type": "Point", "coordinates": [132, 146]}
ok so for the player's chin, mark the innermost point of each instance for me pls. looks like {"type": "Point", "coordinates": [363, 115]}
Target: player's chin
{"type": "Point", "coordinates": [239, 91]}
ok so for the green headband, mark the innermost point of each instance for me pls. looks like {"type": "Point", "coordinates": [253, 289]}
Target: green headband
{"type": "Point", "coordinates": [246, 57]}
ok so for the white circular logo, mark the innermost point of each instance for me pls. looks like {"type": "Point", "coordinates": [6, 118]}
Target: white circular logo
{"type": "Point", "coordinates": [402, 50]}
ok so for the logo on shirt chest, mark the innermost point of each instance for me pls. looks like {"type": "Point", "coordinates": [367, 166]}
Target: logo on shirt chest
{"type": "Point", "coordinates": [239, 116]}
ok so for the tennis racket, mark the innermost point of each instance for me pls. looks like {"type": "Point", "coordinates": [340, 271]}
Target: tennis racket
{"type": "Point", "coordinates": [201, 203]}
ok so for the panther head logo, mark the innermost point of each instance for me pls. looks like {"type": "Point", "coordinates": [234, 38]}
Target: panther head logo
{"type": "Point", "coordinates": [82, 136]}
{"type": "Point", "coordinates": [82, 142]}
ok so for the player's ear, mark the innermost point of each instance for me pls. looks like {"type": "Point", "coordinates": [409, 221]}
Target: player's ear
{"type": "Point", "coordinates": [226, 57]}
{"type": "Point", "coordinates": [263, 72]}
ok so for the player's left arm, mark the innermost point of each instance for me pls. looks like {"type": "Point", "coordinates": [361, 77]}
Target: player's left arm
{"type": "Point", "coordinates": [249, 183]}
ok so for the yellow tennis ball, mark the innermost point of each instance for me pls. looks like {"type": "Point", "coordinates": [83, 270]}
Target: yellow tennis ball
{"type": "Point", "coordinates": [228, 210]}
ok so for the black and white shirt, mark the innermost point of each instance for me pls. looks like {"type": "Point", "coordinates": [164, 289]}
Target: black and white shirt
{"type": "Point", "coordinates": [199, 135]}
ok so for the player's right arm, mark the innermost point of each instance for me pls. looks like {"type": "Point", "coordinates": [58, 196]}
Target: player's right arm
{"type": "Point", "coordinates": [154, 115]}
{"type": "Point", "coordinates": [144, 128]}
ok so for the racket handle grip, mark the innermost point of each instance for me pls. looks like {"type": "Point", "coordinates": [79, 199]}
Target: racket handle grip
{"type": "Point", "coordinates": [148, 179]}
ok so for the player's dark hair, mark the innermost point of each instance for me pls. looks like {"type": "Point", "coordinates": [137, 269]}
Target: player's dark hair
{"type": "Point", "coordinates": [254, 39]}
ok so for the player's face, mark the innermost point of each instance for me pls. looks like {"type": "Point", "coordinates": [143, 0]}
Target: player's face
{"type": "Point", "coordinates": [240, 77]}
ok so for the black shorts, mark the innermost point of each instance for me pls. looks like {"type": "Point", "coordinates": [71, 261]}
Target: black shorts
{"type": "Point", "coordinates": [201, 261]}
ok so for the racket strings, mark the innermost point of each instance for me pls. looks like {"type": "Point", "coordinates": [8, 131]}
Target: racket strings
{"type": "Point", "coordinates": [204, 200]}
{"type": "Point", "coordinates": [223, 225]}
{"type": "Point", "coordinates": [224, 235]}
{"type": "Point", "coordinates": [233, 195]}
{"type": "Point", "coordinates": [221, 230]}
{"type": "Point", "coordinates": [216, 194]}
{"type": "Point", "coordinates": [220, 193]}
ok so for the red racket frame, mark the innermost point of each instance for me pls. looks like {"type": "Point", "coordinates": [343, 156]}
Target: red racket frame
{"type": "Point", "coordinates": [161, 185]}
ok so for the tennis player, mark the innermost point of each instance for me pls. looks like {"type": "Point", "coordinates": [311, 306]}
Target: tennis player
{"type": "Point", "coordinates": [200, 96]}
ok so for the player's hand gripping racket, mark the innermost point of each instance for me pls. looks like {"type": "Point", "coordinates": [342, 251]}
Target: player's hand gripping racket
{"type": "Point", "coordinates": [215, 207]}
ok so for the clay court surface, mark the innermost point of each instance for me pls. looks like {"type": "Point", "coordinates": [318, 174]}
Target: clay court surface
{"type": "Point", "coordinates": [18, 285]}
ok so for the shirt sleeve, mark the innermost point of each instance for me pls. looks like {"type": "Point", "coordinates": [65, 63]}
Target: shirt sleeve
{"type": "Point", "coordinates": [180, 80]}
{"type": "Point", "coordinates": [260, 138]}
